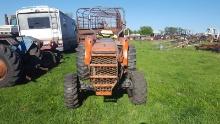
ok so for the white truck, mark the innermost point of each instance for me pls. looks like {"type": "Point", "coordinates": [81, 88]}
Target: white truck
{"type": "Point", "coordinates": [49, 25]}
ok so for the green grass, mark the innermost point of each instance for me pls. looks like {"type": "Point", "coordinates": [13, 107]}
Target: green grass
{"type": "Point", "coordinates": [183, 87]}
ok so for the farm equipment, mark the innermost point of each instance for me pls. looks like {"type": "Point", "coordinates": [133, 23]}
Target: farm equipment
{"type": "Point", "coordinates": [209, 47]}
{"type": "Point", "coordinates": [19, 56]}
{"type": "Point", "coordinates": [212, 35]}
{"type": "Point", "coordinates": [106, 62]}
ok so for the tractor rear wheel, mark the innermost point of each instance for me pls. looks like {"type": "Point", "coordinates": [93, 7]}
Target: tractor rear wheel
{"type": "Point", "coordinates": [131, 58]}
{"type": "Point", "coordinates": [139, 90]}
{"type": "Point", "coordinates": [10, 67]}
{"type": "Point", "coordinates": [71, 91]}
{"type": "Point", "coordinates": [82, 69]}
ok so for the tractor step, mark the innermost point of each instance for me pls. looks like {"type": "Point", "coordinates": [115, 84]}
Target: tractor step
{"type": "Point", "coordinates": [103, 93]}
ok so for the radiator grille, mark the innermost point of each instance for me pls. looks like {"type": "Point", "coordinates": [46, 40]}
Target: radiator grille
{"type": "Point", "coordinates": [104, 60]}
{"type": "Point", "coordinates": [104, 75]}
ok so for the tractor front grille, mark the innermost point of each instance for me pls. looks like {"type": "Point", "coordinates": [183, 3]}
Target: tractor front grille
{"type": "Point", "coordinates": [104, 60]}
{"type": "Point", "coordinates": [104, 73]}
{"type": "Point", "coordinates": [103, 80]}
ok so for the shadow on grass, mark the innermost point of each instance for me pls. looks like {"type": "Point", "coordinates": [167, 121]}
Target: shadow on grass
{"type": "Point", "coordinates": [34, 74]}
{"type": "Point", "coordinates": [117, 94]}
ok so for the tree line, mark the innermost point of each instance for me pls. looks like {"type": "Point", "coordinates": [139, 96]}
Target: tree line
{"type": "Point", "coordinates": [148, 30]}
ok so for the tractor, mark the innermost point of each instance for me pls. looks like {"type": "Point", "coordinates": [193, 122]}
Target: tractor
{"type": "Point", "coordinates": [20, 56]}
{"type": "Point", "coordinates": [105, 61]}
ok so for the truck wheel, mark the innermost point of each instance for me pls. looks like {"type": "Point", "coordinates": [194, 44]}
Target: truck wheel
{"type": "Point", "coordinates": [59, 56]}
{"type": "Point", "coordinates": [131, 58]}
{"type": "Point", "coordinates": [139, 90]}
{"type": "Point", "coordinates": [48, 59]}
{"type": "Point", "coordinates": [71, 91]}
{"type": "Point", "coordinates": [10, 67]}
{"type": "Point", "coordinates": [82, 69]}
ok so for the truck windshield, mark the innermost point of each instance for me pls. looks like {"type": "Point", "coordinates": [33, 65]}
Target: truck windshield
{"type": "Point", "coordinates": [33, 21]}
{"type": "Point", "coordinates": [39, 22]}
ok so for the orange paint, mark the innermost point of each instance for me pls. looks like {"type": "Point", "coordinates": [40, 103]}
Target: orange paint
{"type": "Point", "coordinates": [88, 47]}
{"type": "Point", "coordinates": [124, 42]}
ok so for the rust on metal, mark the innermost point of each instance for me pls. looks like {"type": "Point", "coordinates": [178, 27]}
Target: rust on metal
{"type": "Point", "coordinates": [3, 70]}
{"type": "Point", "coordinates": [104, 76]}
{"type": "Point", "coordinates": [209, 47]}
{"type": "Point", "coordinates": [101, 47]}
{"type": "Point", "coordinates": [104, 73]}
{"type": "Point", "coordinates": [106, 55]}
{"type": "Point", "coordinates": [98, 19]}
{"type": "Point", "coordinates": [103, 93]}
{"type": "Point", "coordinates": [100, 29]}
{"type": "Point", "coordinates": [104, 65]}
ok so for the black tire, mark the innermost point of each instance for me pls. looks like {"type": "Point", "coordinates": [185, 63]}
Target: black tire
{"type": "Point", "coordinates": [82, 69]}
{"type": "Point", "coordinates": [71, 91]}
{"type": "Point", "coordinates": [33, 58]}
{"type": "Point", "coordinates": [139, 91]}
{"type": "Point", "coordinates": [35, 51]}
{"type": "Point", "coordinates": [48, 59]}
{"type": "Point", "coordinates": [58, 56]}
{"type": "Point", "coordinates": [12, 61]}
{"type": "Point", "coordinates": [131, 58]}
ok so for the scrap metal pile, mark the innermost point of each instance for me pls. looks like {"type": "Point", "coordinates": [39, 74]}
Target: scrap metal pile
{"type": "Point", "coordinates": [209, 47]}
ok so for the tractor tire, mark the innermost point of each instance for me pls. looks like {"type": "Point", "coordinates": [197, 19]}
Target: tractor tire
{"type": "Point", "coordinates": [58, 56]}
{"type": "Point", "coordinates": [139, 90]}
{"type": "Point", "coordinates": [10, 67]}
{"type": "Point", "coordinates": [82, 69]}
{"type": "Point", "coordinates": [33, 58]}
{"type": "Point", "coordinates": [34, 51]}
{"type": "Point", "coordinates": [48, 59]}
{"type": "Point", "coordinates": [71, 91]}
{"type": "Point", "coordinates": [131, 58]}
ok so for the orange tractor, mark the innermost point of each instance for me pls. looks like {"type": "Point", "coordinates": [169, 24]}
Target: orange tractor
{"type": "Point", "coordinates": [106, 62]}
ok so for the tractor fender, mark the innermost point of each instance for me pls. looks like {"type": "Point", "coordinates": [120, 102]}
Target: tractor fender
{"type": "Point", "coordinates": [88, 48]}
{"type": "Point", "coordinates": [124, 43]}
{"type": "Point", "coordinates": [24, 44]}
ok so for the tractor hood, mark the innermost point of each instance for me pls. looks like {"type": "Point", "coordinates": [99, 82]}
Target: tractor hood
{"type": "Point", "coordinates": [104, 46]}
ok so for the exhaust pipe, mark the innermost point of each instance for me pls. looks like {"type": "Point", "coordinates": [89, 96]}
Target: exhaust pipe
{"type": "Point", "coordinates": [6, 20]}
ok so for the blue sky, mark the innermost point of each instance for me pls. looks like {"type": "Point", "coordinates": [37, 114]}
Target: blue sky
{"type": "Point", "coordinates": [196, 15]}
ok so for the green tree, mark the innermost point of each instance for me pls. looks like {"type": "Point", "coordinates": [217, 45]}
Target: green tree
{"type": "Point", "coordinates": [145, 30]}
{"type": "Point", "coordinates": [175, 31]}
{"type": "Point", "coordinates": [171, 30]}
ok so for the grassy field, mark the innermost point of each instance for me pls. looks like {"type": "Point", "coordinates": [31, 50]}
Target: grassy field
{"type": "Point", "coordinates": [183, 87]}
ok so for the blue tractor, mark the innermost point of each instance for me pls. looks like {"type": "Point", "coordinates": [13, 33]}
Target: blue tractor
{"type": "Point", "coordinates": [19, 57]}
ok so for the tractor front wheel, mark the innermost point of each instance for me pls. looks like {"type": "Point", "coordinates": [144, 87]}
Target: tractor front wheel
{"type": "Point", "coordinates": [10, 67]}
{"type": "Point", "coordinates": [139, 90]}
{"type": "Point", "coordinates": [132, 58]}
{"type": "Point", "coordinates": [82, 69]}
{"type": "Point", "coordinates": [71, 91]}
